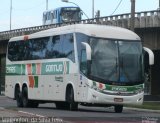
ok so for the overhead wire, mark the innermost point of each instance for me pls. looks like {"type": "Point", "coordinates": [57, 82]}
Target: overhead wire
{"type": "Point", "coordinates": [117, 7]}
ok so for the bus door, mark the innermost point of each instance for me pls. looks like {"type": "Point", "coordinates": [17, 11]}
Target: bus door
{"type": "Point", "coordinates": [82, 85]}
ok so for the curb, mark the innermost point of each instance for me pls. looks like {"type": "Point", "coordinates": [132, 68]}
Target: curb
{"type": "Point", "coordinates": [144, 110]}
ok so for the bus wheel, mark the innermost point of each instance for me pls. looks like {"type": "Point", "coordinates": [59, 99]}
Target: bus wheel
{"type": "Point", "coordinates": [70, 99]}
{"type": "Point", "coordinates": [18, 96]}
{"type": "Point", "coordinates": [25, 97]}
{"type": "Point", "coordinates": [118, 108]}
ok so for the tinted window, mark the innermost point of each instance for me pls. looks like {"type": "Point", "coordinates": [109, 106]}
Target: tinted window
{"type": "Point", "coordinates": [42, 48]}
{"type": "Point", "coordinates": [81, 52]}
{"type": "Point", "coordinates": [68, 46]}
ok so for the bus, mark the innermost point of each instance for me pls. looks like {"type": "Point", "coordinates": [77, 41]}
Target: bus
{"type": "Point", "coordinates": [87, 64]}
{"type": "Point", "coordinates": [62, 15]}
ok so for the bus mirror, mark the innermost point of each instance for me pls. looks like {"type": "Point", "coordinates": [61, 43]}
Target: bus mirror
{"type": "Point", "coordinates": [88, 50]}
{"type": "Point", "coordinates": [151, 55]}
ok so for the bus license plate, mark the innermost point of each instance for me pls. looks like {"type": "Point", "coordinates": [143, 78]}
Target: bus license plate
{"type": "Point", "coordinates": [118, 99]}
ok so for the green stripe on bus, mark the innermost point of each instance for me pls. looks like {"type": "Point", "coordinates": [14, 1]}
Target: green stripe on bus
{"type": "Point", "coordinates": [119, 88]}
{"type": "Point", "coordinates": [13, 69]}
{"type": "Point", "coordinates": [33, 69]}
{"type": "Point", "coordinates": [54, 68]}
{"type": "Point", "coordinates": [124, 88]}
{"type": "Point", "coordinates": [49, 68]}
{"type": "Point", "coordinates": [36, 81]}
{"type": "Point", "coordinates": [23, 69]}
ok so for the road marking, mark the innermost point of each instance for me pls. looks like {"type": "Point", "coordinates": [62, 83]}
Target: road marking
{"type": "Point", "coordinates": [28, 113]}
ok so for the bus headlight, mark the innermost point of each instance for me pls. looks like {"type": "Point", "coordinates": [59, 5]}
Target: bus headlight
{"type": "Point", "coordinates": [139, 91]}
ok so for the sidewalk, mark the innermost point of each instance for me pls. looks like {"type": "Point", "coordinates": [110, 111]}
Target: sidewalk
{"type": "Point", "coordinates": [8, 113]}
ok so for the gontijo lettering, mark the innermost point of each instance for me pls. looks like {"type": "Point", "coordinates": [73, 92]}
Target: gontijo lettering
{"type": "Point", "coordinates": [54, 68]}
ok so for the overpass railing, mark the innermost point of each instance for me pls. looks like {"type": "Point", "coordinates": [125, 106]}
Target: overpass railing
{"type": "Point", "coordinates": [142, 20]}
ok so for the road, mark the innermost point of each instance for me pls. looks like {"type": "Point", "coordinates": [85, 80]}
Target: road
{"type": "Point", "coordinates": [48, 113]}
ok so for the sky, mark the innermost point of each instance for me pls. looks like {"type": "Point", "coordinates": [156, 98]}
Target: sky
{"type": "Point", "coordinates": [28, 13]}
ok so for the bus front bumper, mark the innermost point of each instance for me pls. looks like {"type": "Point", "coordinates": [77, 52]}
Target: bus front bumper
{"type": "Point", "coordinates": [101, 98]}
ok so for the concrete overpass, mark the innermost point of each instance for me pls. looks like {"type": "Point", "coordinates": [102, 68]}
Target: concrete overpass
{"type": "Point", "coordinates": [147, 26]}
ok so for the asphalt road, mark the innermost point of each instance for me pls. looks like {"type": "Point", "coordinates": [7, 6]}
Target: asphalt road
{"type": "Point", "coordinates": [48, 113]}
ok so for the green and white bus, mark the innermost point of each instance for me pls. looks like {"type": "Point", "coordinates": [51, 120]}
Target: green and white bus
{"type": "Point", "coordinates": [87, 64]}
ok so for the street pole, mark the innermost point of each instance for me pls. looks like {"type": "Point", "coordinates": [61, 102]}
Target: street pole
{"type": "Point", "coordinates": [92, 8]}
{"type": "Point", "coordinates": [132, 14]}
{"type": "Point", "coordinates": [10, 14]}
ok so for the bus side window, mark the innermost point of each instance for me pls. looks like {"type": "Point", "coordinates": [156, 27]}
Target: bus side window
{"type": "Point", "coordinates": [53, 17]}
{"type": "Point", "coordinates": [55, 14]}
{"type": "Point", "coordinates": [68, 46]}
{"type": "Point", "coordinates": [83, 62]}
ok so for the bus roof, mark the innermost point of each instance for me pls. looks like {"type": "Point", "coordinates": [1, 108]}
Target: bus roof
{"type": "Point", "coordinates": [94, 30]}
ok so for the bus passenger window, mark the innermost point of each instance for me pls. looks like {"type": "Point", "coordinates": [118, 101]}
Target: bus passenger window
{"type": "Point", "coordinates": [68, 46]}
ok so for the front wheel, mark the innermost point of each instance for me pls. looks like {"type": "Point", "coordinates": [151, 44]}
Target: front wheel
{"type": "Point", "coordinates": [70, 99]}
{"type": "Point", "coordinates": [118, 108]}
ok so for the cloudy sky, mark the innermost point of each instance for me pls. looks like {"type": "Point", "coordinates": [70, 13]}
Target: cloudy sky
{"type": "Point", "coordinates": [28, 13]}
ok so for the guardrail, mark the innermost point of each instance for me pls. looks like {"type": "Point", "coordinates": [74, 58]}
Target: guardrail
{"type": "Point", "coordinates": [142, 20]}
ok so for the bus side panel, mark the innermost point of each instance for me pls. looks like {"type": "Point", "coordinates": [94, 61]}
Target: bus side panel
{"type": "Point", "coordinates": [81, 88]}
{"type": "Point", "coordinates": [65, 79]}
{"type": "Point", "coordinates": [52, 87]}
{"type": "Point", "coordinates": [10, 86]}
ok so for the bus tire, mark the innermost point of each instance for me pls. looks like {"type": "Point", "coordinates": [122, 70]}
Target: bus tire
{"type": "Point", "coordinates": [25, 100]}
{"type": "Point", "coordinates": [118, 108]}
{"type": "Point", "coordinates": [73, 106]}
{"type": "Point", "coordinates": [18, 96]}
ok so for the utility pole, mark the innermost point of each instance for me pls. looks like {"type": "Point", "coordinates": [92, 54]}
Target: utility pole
{"type": "Point", "coordinates": [132, 14]}
{"type": "Point", "coordinates": [11, 15]}
{"type": "Point", "coordinates": [92, 8]}
{"type": "Point", "coordinates": [46, 4]}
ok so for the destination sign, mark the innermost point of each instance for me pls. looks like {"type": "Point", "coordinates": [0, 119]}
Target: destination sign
{"type": "Point", "coordinates": [71, 9]}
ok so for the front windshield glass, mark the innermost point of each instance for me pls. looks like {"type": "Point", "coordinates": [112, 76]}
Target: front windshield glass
{"type": "Point", "coordinates": [116, 60]}
{"type": "Point", "coordinates": [71, 15]}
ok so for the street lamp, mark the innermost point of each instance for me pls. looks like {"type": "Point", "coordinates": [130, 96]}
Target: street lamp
{"type": "Point", "coordinates": [132, 14]}
{"type": "Point", "coordinates": [10, 14]}
{"type": "Point", "coordinates": [66, 1]}
{"type": "Point", "coordinates": [92, 8]}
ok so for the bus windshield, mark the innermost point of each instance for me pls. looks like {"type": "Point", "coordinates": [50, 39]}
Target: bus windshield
{"type": "Point", "coordinates": [70, 14]}
{"type": "Point", "coordinates": [116, 61]}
